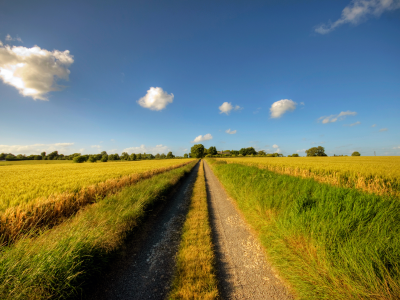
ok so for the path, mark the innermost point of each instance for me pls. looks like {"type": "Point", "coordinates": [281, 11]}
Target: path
{"type": "Point", "coordinates": [243, 270]}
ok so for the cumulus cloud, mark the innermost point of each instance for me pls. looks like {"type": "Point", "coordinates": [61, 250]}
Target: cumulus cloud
{"type": "Point", "coordinates": [156, 99]}
{"type": "Point", "coordinates": [276, 148]}
{"type": "Point", "coordinates": [227, 107]}
{"type": "Point", "coordinates": [334, 118]}
{"type": "Point", "coordinates": [383, 129]}
{"type": "Point", "coordinates": [34, 71]}
{"type": "Point", "coordinates": [358, 11]}
{"type": "Point", "coordinates": [353, 124]}
{"type": "Point", "coordinates": [280, 107]}
{"type": "Point", "coordinates": [148, 150]}
{"type": "Point", "coordinates": [231, 131]}
{"type": "Point", "coordinates": [374, 125]}
{"type": "Point", "coordinates": [202, 138]}
{"type": "Point", "coordinates": [63, 148]}
{"type": "Point", "coordinates": [10, 39]}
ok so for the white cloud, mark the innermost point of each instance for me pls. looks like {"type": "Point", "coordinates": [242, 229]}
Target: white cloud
{"type": "Point", "coordinates": [226, 108]}
{"type": "Point", "coordinates": [278, 108]}
{"type": "Point", "coordinates": [1, 43]}
{"type": "Point", "coordinates": [374, 125]}
{"type": "Point", "coordinates": [10, 39]}
{"type": "Point", "coordinates": [358, 11]}
{"type": "Point", "coordinates": [98, 147]}
{"type": "Point", "coordinates": [202, 138]}
{"type": "Point", "coordinates": [148, 150]}
{"type": "Point", "coordinates": [230, 131]}
{"type": "Point", "coordinates": [276, 148]}
{"type": "Point", "coordinates": [112, 151]}
{"type": "Point", "coordinates": [383, 129]}
{"type": "Point", "coordinates": [334, 118]}
{"type": "Point", "coordinates": [302, 103]}
{"type": "Point", "coordinates": [301, 151]}
{"type": "Point", "coordinates": [62, 148]}
{"type": "Point", "coordinates": [156, 99]}
{"type": "Point", "coordinates": [353, 124]}
{"type": "Point", "coordinates": [34, 71]}
{"type": "Point", "coordinates": [398, 147]}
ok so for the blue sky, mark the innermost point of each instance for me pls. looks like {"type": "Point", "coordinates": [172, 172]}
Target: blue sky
{"type": "Point", "coordinates": [153, 76]}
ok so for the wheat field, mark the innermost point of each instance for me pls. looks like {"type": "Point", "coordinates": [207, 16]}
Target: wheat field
{"type": "Point", "coordinates": [380, 175]}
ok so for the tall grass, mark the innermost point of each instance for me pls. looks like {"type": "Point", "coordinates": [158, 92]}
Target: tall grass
{"type": "Point", "coordinates": [379, 175]}
{"type": "Point", "coordinates": [328, 242]}
{"type": "Point", "coordinates": [195, 276]}
{"type": "Point", "coordinates": [59, 262]}
{"type": "Point", "coordinates": [48, 212]}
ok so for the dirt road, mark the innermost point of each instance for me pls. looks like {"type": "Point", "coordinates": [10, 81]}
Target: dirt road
{"type": "Point", "coordinates": [243, 270]}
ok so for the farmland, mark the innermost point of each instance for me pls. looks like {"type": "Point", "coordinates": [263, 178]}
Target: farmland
{"type": "Point", "coordinates": [380, 175]}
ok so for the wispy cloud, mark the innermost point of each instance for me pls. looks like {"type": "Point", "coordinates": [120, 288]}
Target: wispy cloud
{"type": "Point", "coordinates": [257, 110]}
{"type": "Point", "coordinates": [358, 11]}
{"type": "Point", "coordinates": [280, 107]}
{"type": "Point", "coordinates": [353, 124]}
{"type": "Point", "coordinates": [227, 107]}
{"type": "Point", "coordinates": [9, 38]}
{"type": "Point", "coordinates": [374, 125]}
{"type": "Point", "coordinates": [230, 131]}
{"type": "Point", "coordinates": [156, 99]}
{"type": "Point", "coordinates": [202, 138]}
{"type": "Point", "coordinates": [98, 147]}
{"type": "Point", "coordinates": [334, 118]}
{"type": "Point", "coordinates": [63, 148]}
{"type": "Point", "coordinates": [276, 148]}
{"type": "Point", "coordinates": [383, 129]}
{"type": "Point", "coordinates": [34, 71]}
{"type": "Point", "coordinates": [149, 150]}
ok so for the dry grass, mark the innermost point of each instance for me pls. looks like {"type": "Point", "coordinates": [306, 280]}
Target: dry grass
{"type": "Point", "coordinates": [378, 175]}
{"type": "Point", "coordinates": [47, 212]}
{"type": "Point", "coordinates": [195, 276]}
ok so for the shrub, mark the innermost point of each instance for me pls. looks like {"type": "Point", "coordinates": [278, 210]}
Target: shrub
{"type": "Point", "coordinates": [104, 158]}
{"type": "Point", "coordinates": [79, 159]}
{"type": "Point", "coordinates": [356, 153]}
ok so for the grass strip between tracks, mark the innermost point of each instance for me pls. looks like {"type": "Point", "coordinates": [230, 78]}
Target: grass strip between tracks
{"type": "Point", "coordinates": [195, 276]}
{"type": "Point", "coordinates": [327, 242]}
{"type": "Point", "coordinates": [59, 262]}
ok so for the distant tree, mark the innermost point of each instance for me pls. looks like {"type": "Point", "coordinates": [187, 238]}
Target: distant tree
{"type": "Point", "coordinates": [132, 156]}
{"type": "Point", "coordinates": [185, 155]}
{"type": "Point", "coordinates": [247, 151]}
{"type": "Point", "coordinates": [170, 155]}
{"type": "Point", "coordinates": [295, 155]}
{"type": "Point", "coordinates": [10, 157]}
{"type": "Point", "coordinates": [235, 152]}
{"type": "Point", "coordinates": [111, 157]}
{"type": "Point", "coordinates": [151, 156]}
{"type": "Point", "coordinates": [356, 153]}
{"type": "Point", "coordinates": [125, 156]}
{"type": "Point", "coordinates": [139, 156]}
{"type": "Point", "coordinates": [116, 156]}
{"type": "Point", "coordinates": [104, 158]}
{"type": "Point", "coordinates": [163, 156]}
{"type": "Point", "coordinates": [98, 156]}
{"type": "Point", "coordinates": [43, 154]}
{"type": "Point", "coordinates": [212, 150]}
{"type": "Point", "coordinates": [53, 155]}
{"type": "Point", "coordinates": [20, 156]}
{"type": "Point", "coordinates": [79, 159]}
{"type": "Point", "coordinates": [262, 152]}
{"type": "Point", "coordinates": [197, 151]}
{"type": "Point", "coordinates": [103, 153]}
{"type": "Point", "coordinates": [2, 156]}
{"type": "Point", "coordinates": [157, 155]}
{"type": "Point", "coordinates": [316, 151]}
{"type": "Point", "coordinates": [38, 157]}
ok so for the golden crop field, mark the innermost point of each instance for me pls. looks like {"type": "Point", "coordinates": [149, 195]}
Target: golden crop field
{"type": "Point", "coordinates": [23, 183]}
{"type": "Point", "coordinates": [380, 175]}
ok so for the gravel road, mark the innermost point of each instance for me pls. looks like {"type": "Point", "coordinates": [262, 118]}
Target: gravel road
{"type": "Point", "coordinates": [243, 270]}
{"type": "Point", "coordinates": [145, 270]}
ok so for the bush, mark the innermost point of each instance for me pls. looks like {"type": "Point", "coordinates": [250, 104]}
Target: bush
{"type": "Point", "coordinates": [355, 153]}
{"type": "Point", "coordinates": [79, 159]}
{"type": "Point", "coordinates": [104, 158]}
{"type": "Point", "coordinates": [92, 159]}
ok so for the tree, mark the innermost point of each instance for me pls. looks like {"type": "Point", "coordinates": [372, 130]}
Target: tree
{"type": "Point", "coordinates": [212, 150]}
{"type": "Point", "coordinates": [295, 155]}
{"type": "Point", "coordinates": [163, 156]}
{"type": "Point", "coordinates": [79, 159]}
{"type": "Point", "coordinates": [38, 157]}
{"type": "Point", "coordinates": [116, 156]}
{"type": "Point", "coordinates": [185, 155]}
{"type": "Point", "coordinates": [103, 153]}
{"type": "Point", "coordinates": [43, 154]}
{"type": "Point", "coordinates": [170, 155]}
{"type": "Point", "coordinates": [111, 157]}
{"type": "Point", "coordinates": [316, 151]}
{"type": "Point", "coordinates": [247, 151]}
{"type": "Point", "coordinates": [139, 156]}
{"type": "Point", "coordinates": [92, 159]}
{"type": "Point", "coordinates": [125, 156]}
{"type": "Point", "coordinates": [261, 152]}
{"type": "Point", "coordinates": [158, 155]}
{"type": "Point", "coordinates": [197, 151]}
{"type": "Point", "coordinates": [104, 158]}
{"type": "Point", "coordinates": [53, 155]}
{"type": "Point", "coordinates": [10, 157]}
{"type": "Point", "coordinates": [235, 152]}
{"type": "Point", "coordinates": [133, 156]}
{"type": "Point", "coordinates": [356, 153]}
{"type": "Point", "coordinates": [2, 156]}
{"type": "Point", "coordinates": [98, 156]}
{"type": "Point", "coordinates": [20, 156]}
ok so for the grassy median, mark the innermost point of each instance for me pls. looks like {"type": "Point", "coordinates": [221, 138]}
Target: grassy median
{"type": "Point", "coordinates": [195, 276]}
{"type": "Point", "coordinates": [59, 262]}
{"type": "Point", "coordinates": [327, 242]}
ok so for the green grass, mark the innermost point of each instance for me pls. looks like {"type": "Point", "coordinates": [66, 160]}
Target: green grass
{"type": "Point", "coordinates": [327, 242]}
{"type": "Point", "coordinates": [59, 262]}
{"type": "Point", "coordinates": [195, 275]}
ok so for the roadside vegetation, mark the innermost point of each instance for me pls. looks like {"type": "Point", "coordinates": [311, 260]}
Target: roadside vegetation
{"type": "Point", "coordinates": [60, 261]}
{"type": "Point", "coordinates": [195, 276]}
{"type": "Point", "coordinates": [328, 242]}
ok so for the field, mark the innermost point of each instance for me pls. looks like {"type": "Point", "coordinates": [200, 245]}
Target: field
{"type": "Point", "coordinates": [380, 175]}
{"type": "Point", "coordinates": [328, 242]}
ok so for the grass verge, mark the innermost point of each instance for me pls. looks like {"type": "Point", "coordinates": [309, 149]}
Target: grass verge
{"type": "Point", "coordinates": [195, 276]}
{"type": "Point", "coordinates": [59, 262]}
{"type": "Point", "coordinates": [327, 242]}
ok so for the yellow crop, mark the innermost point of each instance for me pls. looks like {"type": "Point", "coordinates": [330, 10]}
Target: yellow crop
{"type": "Point", "coordinates": [380, 175]}
{"type": "Point", "coordinates": [20, 184]}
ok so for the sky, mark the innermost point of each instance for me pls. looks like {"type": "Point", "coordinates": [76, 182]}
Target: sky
{"type": "Point", "coordinates": [157, 76]}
